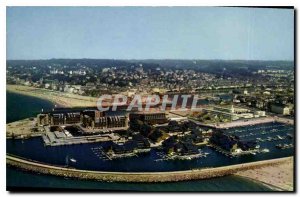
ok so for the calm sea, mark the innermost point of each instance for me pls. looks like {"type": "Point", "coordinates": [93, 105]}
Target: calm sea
{"type": "Point", "coordinates": [19, 107]}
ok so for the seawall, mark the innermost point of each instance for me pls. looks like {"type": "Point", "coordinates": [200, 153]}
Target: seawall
{"type": "Point", "coordinates": [174, 176]}
{"type": "Point", "coordinates": [249, 122]}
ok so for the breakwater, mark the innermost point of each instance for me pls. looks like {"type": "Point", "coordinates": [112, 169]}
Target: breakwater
{"type": "Point", "coordinates": [174, 176]}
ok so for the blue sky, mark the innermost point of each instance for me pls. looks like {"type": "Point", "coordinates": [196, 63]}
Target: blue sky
{"type": "Point", "coordinates": [150, 33]}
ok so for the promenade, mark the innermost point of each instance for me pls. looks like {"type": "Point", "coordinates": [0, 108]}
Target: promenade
{"type": "Point", "coordinates": [173, 176]}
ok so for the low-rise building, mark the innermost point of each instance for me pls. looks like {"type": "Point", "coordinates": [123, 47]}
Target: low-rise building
{"type": "Point", "coordinates": [260, 113]}
{"type": "Point", "coordinates": [280, 109]}
{"type": "Point", "coordinates": [43, 119]}
{"type": "Point", "coordinates": [95, 119]}
{"type": "Point", "coordinates": [72, 118]}
{"type": "Point", "coordinates": [57, 118]}
{"type": "Point", "coordinates": [149, 117]}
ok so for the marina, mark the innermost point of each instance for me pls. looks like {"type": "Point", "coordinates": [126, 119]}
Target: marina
{"type": "Point", "coordinates": [284, 146]}
{"type": "Point", "coordinates": [103, 154]}
{"type": "Point", "coordinates": [96, 159]}
{"type": "Point", "coordinates": [165, 157]}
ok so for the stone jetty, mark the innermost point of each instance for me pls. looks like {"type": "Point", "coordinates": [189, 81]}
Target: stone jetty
{"type": "Point", "coordinates": [172, 176]}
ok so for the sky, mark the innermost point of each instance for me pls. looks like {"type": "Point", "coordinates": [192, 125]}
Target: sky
{"type": "Point", "coordinates": [150, 33]}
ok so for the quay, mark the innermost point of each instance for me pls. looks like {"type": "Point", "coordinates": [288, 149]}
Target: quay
{"type": "Point", "coordinates": [172, 176]}
{"type": "Point", "coordinates": [247, 122]}
{"type": "Point", "coordinates": [59, 138]}
{"type": "Point", "coordinates": [51, 141]}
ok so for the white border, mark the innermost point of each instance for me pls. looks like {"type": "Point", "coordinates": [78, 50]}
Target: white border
{"type": "Point", "coordinates": [4, 3]}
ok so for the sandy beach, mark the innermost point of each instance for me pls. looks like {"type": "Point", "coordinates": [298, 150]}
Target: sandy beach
{"type": "Point", "coordinates": [61, 99]}
{"type": "Point", "coordinates": [279, 176]}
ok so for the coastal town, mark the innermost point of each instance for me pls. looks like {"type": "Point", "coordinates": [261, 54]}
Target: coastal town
{"type": "Point", "coordinates": [163, 98]}
{"type": "Point", "coordinates": [263, 86]}
{"type": "Point", "coordinates": [215, 118]}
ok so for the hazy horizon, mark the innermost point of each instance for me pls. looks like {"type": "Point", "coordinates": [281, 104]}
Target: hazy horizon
{"type": "Point", "coordinates": [145, 59]}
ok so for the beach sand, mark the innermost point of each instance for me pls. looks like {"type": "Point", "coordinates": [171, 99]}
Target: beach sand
{"type": "Point", "coordinates": [279, 177]}
{"type": "Point", "coordinates": [61, 99]}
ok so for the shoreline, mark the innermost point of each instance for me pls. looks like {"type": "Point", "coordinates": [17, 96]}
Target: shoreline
{"type": "Point", "coordinates": [15, 90]}
{"type": "Point", "coordinates": [280, 177]}
{"type": "Point", "coordinates": [272, 187]}
{"type": "Point", "coordinates": [60, 99]}
{"type": "Point", "coordinates": [172, 176]}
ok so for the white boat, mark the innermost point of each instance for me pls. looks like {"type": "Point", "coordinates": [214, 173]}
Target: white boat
{"type": "Point", "coordinates": [73, 160]}
{"type": "Point", "coordinates": [265, 150]}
